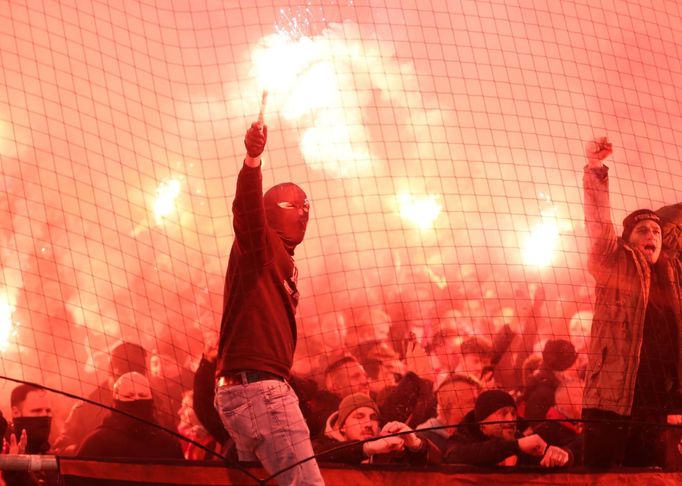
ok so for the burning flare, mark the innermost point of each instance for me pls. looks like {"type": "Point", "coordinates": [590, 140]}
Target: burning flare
{"type": "Point", "coordinates": [166, 194]}
{"type": "Point", "coordinates": [539, 249]}
{"type": "Point", "coordinates": [419, 211]}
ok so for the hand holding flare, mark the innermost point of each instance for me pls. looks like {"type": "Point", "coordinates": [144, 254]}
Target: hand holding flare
{"type": "Point", "coordinates": [257, 134]}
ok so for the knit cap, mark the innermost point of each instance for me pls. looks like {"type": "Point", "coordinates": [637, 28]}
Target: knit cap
{"type": "Point", "coordinates": [353, 402]}
{"type": "Point", "coordinates": [490, 401]}
{"type": "Point", "coordinates": [635, 217]}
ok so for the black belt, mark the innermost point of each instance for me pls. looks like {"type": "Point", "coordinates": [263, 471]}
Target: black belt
{"type": "Point", "coordinates": [245, 377]}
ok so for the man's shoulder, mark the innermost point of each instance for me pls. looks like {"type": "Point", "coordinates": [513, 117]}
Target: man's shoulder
{"type": "Point", "coordinates": [101, 394]}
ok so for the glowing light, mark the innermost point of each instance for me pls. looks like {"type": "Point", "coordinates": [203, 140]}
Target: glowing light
{"type": "Point", "coordinates": [294, 24]}
{"type": "Point", "coordinates": [539, 249]}
{"type": "Point", "coordinates": [166, 194]}
{"type": "Point", "coordinates": [419, 211]}
{"type": "Point", "coordinates": [322, 83]}
{"type": "Point", "coordinates": [6, 325]}
{"type": "Point", "coordinates": [309, 82]}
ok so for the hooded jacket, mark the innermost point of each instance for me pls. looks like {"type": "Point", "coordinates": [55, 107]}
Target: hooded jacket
{"type": "Point", "coordinates": [623, 279]}
{"type": "Point", "coordinates": [351, 452]}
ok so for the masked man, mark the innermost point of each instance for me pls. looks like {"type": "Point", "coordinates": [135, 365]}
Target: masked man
{"type": "Point", "coordinates": [134, 433]}
{"type": "Point", "coordinates": [30, 433]}
{"type": "Point", "coordinates": [258, 330]}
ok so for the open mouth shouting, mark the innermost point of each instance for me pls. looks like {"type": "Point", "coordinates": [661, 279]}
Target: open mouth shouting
{"type": "Point", "coordinates": [649, 249]}
{"type": "Point", "coordinates": [651, 252]}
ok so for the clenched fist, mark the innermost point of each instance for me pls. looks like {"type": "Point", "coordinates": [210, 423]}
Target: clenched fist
{"type": "Point", "coordinates": [533, 445]}
{"type": "Point", "coordinates": [555, 456]}
{"type": "Point", "coordinates": [597, 150]}
{"type": "Point", "coordinates": [255, 139]}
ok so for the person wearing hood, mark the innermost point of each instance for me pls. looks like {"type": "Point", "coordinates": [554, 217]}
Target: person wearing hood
{"type": "Point", "coordinates": [135, 432]}
{"type": "Point", "coordinates": [348, 437]}
{"type": "Point", "coordinates": [30, 433]}
{"type": "Point", "coordinates": [634, 371]}
{"type": "Point", "coordinates": [85, 416]}
{"type": "Point", "coordinates": [258, 331]}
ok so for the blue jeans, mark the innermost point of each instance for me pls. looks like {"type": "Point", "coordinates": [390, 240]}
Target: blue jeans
{"type": "Point", "coordinates": [266, 423]}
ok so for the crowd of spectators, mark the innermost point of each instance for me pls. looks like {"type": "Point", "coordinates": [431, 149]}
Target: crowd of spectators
{"type": "Point", "coordinates": [440, 402]}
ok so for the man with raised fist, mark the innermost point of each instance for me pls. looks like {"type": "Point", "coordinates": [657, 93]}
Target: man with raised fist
{"type": "Point", "coordinates": [634, 370]}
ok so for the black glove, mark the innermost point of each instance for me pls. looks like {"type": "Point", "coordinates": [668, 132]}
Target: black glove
{"type": "Point", "coordinates": [255, 139]}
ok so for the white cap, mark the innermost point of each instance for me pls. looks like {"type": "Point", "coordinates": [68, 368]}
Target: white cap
{"type": "Point", "coordinates": [132, 386]}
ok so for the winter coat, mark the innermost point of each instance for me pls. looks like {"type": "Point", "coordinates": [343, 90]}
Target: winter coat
{"type": "Point", "coordinates": [623, 279]}
{"type": "Point", "coordinates": [469, 446]}
{"type": "Point", "coordinates": [122, 436]}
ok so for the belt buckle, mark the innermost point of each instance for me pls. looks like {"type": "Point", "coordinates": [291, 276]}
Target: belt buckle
{"type": "Point", "coordinates": [227, 381]}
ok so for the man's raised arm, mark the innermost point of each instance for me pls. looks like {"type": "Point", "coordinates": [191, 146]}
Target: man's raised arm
{"type": "Point", "coordinates": [603, 239]}
{"type": "Point", "coordinates": [249, 216]}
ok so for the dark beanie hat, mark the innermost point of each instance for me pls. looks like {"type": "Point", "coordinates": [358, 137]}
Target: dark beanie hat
{"type": "Point", "coordinates": [353, 402]}
{"type": "Point", "coordinates": [559, 354]}
{"type": "Point", "coordinates": [490, 401]}
{"type": "Point", "coordinates": [635, 217]}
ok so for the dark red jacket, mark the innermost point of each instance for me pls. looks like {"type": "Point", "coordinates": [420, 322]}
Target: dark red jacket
{"type": "Point", "coordinates": [258, 328]}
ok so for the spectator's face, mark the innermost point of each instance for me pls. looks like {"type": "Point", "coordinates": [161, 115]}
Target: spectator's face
{"type": "Point", "coordinates": [448, 352]}
{"type": "Point", "coordinates": [37, 404]}
{"type": "Point", "coordinates": [361, 424]}
{"type": "Point", "coordinates": [386, 378]}
{"type": "Point", "coordinates": [505, 430]}
{"type": "Point", "coordinates": [455, 400]}
{"type": "Point", "coordinates": [34, 415]}
{"type": "Point", "coordinates": [473, 364]}
{"type": "Point", "coordinates": [349, 378]}
{"type": "Point", "coordinates": [646, 237]}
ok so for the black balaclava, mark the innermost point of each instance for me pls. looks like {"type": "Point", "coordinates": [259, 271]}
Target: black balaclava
{"type": "Point", "coordinates": [286, 208]}
{"type": "Point", "coordinates": [37, 432]}
{"type": "Point", "coordinates": [133, 395]}
{"type": "Point", "coordinates": [143, 409]}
